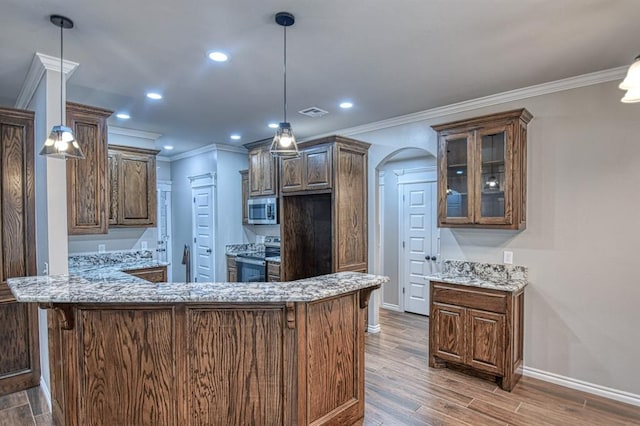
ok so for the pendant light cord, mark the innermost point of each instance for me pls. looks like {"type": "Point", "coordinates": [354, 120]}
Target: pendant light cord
{"type": "Point", "coordinates": [285, 74]}
{"type": "Point", "coordinates": [61, 75]}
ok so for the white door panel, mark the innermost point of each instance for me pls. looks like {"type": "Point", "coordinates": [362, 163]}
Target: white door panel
{"type": "Point", "coordinates": [419, 235]}
{"type": "Point", "coordinates": [203, 234]}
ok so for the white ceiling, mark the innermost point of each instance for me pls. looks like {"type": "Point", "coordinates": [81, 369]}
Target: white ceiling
{"type": "Point", "coordinates": [389, 57]}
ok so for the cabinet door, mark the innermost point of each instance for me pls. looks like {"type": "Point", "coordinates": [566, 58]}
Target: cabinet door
{"type": "Point", "coordinates": [291, 174]}
{"type": "Point", "coordinates": [154, 275]}
{"type": "Point", "coordinates": [113, 180]}
{"type": "Point", "coordinates": [456, 179]}
{"type": "Point", "coordinates": [317, 168]}
{"type": "Point", "coordinates": [137, 189]}
{"type": "Point", "coordinates": [268, 172]}
{"type": "Point", "coordinates": [19, 357]}
{"type": "Point", "coordinates": [87, 178]}
{"type": "Point", "coordinates": [485, 341]}
{"type": "Point", "coordinates": [255, 173]}
{"type": "Point", "coordinates": [245, 196]}
{"type": "Point", "coordinates": [493, 176]}
{"type": "Point", "coordinates": [448, 334]}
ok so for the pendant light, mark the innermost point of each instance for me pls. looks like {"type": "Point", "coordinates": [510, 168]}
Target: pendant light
{"type": "Point", "coordinates": [61, 143]}
{"type": "Point", "coordinates": [284, 142]}
{"type": "Point", "coordinates": [631, 83]}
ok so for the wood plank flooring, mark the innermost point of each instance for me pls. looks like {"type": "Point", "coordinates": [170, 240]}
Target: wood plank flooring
{"type": "Point", "coordinates": [402, 390]}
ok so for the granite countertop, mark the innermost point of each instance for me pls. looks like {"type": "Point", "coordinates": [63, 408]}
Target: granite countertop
{"type": "Point", "coordinates": [236, 249]}
{"type": "Point", "coordinates": [77, 289]}
{"type": "Point", "coordinates": [273, 259]}
{"type": "Point", "coordinates": [110, 267]}
{"type": "Point", "coordinates": [485, 275]}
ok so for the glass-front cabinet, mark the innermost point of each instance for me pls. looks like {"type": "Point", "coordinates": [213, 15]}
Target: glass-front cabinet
{"type": "Point", "coordinates": [482, 171]}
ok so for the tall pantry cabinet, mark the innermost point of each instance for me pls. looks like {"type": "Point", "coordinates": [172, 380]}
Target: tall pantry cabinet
{"type": "Point", "coordinates": [19, 353]}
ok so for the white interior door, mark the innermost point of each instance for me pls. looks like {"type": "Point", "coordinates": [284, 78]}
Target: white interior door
{"type": "Point", "coordinates": [164, 226]}
{"type": "Point", "coordinates": [203, 230]}
{"type": "Point", "coordinates": [419, 238]}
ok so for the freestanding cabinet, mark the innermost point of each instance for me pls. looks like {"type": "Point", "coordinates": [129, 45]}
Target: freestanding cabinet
{"type": "Point", "coordinates": [482, 171]}
{"type": "Point", "coordinates": [19, 354]}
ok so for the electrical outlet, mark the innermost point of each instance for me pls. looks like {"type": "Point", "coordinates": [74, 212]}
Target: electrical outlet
{"type": "Point", "coordinates": [143, 245]}
{"type": "Point", "coordinates": [507, 257]}
{"type": "Point", "coordinates": [102, 248]}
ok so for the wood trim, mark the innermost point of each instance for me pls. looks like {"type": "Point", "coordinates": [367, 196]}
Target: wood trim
{"type": "Point", "coordinates": [134, 150]}
{"type": "Point", "coordinates": [474, 122]}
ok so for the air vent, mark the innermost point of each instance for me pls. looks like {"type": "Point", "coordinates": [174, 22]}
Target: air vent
{"type": "Point", "coordinates": [313, 112]}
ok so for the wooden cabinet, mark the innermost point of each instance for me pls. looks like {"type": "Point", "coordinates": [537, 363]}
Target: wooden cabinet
{"type": "Point", "coordinates": [232, 269]}
{"type": "Point", "coordinates": [132, 189]}
{"type": "Point", "coordinates": [155, 275]}
{"type": "Point", "coordinates": [19, 354]}
{"type": "Point", "coordinates": [482, 171]}
{"type": "Point", "coordinates": [477, 328]}
{"type": "Point", "coordinates": [263, 170]}
{"type": "Point", "coordinates": [87, 202]}
{"type": "Point", "coordinates": [310, 171]}
{"type": "Point", "coordinates": [324, 227]}
{"type": "Point", "coordinates": [273, 271]}
{"type": "Point", "coordinates": [244, 176]}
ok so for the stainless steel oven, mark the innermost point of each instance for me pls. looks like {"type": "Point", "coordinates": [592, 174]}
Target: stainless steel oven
{"type": "Point", "coordinates": [252, 265]}
{"type": "Point", "coordinates": [263, 211]}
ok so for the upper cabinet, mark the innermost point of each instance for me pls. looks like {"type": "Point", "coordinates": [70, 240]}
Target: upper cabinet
{"type": "Point", "coordinates": [87, 184]}
{"type": "Point", "coordinates": [263, 170]}
{"type": "Point", "coordinates": [311, 171]}
{"type": "Point", "coordinates": [482, 171]}
{"type": "Point", "coordinates": [132, 193]}
{"type": "Point", "coordinates": [245, 196]}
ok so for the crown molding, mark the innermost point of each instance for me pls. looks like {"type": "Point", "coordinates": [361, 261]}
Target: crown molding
{"type": "Point", "coordinates": [122, 131]}
{"type": "Point", "coordinates": [208, 148]}
{"type": "Point", "coordinates": [163, 158]}
{"type": "Point", "coordinates": [499, 98]}
{"type": "Point", "coordinates": [39, 64]}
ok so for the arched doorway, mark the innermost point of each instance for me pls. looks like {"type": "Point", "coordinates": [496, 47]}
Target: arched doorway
{"type": "Point", "coordinates": [407, 236]}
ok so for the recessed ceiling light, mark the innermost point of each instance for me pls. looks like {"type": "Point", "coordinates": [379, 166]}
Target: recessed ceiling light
{"type": "Point", "coordinates": [273, 125]}
{"type": "Point", "coordinates": [154, 95]}
{"type": "Point", "coordinates": [168, 147]}
{"type": "Point", "coordinates": [235, 137]}
{"type": "Point", "coordinates": [123, 115]}
{"type": "Point", "coordinates": [218, 56]}
{"type": "Point", "coordinates": [346, 105]}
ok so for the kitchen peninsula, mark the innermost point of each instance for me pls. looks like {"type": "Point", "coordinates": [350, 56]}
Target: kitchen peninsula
{"type": "Point", "coordinates": [278, 353]}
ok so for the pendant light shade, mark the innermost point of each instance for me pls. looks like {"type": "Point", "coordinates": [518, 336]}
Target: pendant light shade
{"type": "Point", "coordinates": [284, 142]}
{"type": "Point", "coordinates": [631, 83]}
{"type": "Point", "coordinates": [61, 143]}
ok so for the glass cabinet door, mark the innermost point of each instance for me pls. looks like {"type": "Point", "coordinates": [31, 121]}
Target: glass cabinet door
{"type": "Point", "coordinates": [493, 175]}
{"type": "Point", "coordinates": [456, 179]}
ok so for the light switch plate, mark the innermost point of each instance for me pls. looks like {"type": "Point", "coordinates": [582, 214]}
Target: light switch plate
{"type": "Point", "coordinates": [143, 245]}
{"type": "Point", "coordinates": [507, 257]}
{"type": "Point", "coordinates": [102, 248]}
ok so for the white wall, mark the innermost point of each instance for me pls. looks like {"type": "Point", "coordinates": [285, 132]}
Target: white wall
{"type": "Point", "coordinates": [581, 313]}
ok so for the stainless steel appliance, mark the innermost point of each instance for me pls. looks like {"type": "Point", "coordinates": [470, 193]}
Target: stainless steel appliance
{"type": "Point", "coordinates": [252, 266]}
{"type": "Point", "coordinates": [263, 211]}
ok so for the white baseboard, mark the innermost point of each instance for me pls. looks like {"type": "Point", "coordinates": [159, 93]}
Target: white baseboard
{"type": "Point", "coordinates": [46, 392]}
{"type": "Point", "coordinates": [373, 329]}
{"type": "Point", "coordinates": [391, 307]}
{"type": "Point", "coordinates": [603, 391]}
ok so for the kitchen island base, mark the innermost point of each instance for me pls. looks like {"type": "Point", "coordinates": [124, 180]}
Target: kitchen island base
{"type": "Point", "coordinates": [287, 363]}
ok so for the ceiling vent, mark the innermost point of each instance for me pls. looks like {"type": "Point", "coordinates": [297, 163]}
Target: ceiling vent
{"type": "Point", "coordinates": [313, 112]}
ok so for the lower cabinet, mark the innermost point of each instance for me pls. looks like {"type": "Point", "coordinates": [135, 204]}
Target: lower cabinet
{"type": "Point", "coordinates": [477, 328]}
{"type": "Point", "coordinates": [154, 275]}
{"type": "Point", "coordinates": [273, 271]}
{"type": "Point", "coordinates": [232, 269]}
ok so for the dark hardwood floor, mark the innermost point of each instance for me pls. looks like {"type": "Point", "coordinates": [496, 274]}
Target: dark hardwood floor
{"type": "Point", "coordinates": [402, 390]}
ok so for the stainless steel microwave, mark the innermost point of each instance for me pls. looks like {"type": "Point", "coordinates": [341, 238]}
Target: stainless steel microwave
{"type": "Point", "coordinates": [263, 211]}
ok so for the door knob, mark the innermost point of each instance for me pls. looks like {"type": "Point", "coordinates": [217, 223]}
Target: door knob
{"type": "Point", "coordinates": [430, 258]}
{"type": "Point", "coordinates": [208, 250]}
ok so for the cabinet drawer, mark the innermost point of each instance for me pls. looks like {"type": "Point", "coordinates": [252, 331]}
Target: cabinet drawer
{"type": "Point", "coordinates": [273, 269]}
{"type": "Point", "coordinates": [469, 297]}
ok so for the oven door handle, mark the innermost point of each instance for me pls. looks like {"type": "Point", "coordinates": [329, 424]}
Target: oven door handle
{"type": "Point", "coordinates": [250, 261]}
